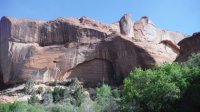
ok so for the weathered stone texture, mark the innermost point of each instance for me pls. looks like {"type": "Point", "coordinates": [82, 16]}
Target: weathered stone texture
{"type": "Point", "coordinates": [83, 48]}
{"type": "Point", "coordinates": [147, 30]}
{"type": "Point", "coordinates": [189, 46]}
{"type": "Point", "coordinates": [126, 25]}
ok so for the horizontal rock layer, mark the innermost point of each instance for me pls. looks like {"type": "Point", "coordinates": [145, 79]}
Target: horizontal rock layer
{"type": "Point", "coordinates": [83, 48]}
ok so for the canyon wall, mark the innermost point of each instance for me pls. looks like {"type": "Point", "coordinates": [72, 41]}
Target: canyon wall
{"type": "Point", "coordinates": [189, 46]}
{"type": "Point", "coordinates": [81, 47]}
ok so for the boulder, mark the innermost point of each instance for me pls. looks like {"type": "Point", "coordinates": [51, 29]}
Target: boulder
{"type": "Point", "coordinates": [126, 25]}
{"type": "Point", "coordinates": [84, 48]}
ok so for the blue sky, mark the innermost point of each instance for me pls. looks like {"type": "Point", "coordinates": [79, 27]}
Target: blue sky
{"type": "Point", "coordinates": [175, 15]}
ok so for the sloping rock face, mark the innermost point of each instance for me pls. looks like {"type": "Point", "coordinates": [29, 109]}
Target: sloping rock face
{"type": "Point", "coordinates": [188, 46]}
{"type": "Point", "coordinates": [146, 29]}
{"type": "Point", "coordinates": [83, 48]}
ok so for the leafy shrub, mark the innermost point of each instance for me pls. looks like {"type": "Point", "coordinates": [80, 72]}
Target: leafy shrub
{"type": "Point", "coordinates": [153, 90]}
{"type": "Point", "coordinates": [79, 96]}
{"type": "Point", "coordinates": [56, 94]}
{"type": "Point", "coordinates": [87, 106]}
{"type": "Point", "coordinates": [20, 107]}
{"type": "Point", "coordinates": [47, 98]}
{"type": "Point", "coordinates": [105, 100]}
{"type": "Point", "coordinates": [29, 83]}
{"type": "Point", "coordinates": [64, 93]}
{"type": "Point", "coordinates": [103, 94]}
{"type": "Point", "coordinates": [60, 94]}
{"type": "Point", "coordinates": [116, 94]}
{"type": "Point", "coordinates": [193, 61]}
{"type": "Point", "coordinates": [61, 108]}
{"type": "Point", "coordinates": [74, 85]}
{"type": "Point", "coordinates": [40, 90]}
{"type": "Point", "coordinates": [190, 100]}
{"type": "Point", "coordinates": [5, 107]}
{"type": "Point", "coordinates": [28, 86]}
{"type": "Point", "coordinates": [34, 99]}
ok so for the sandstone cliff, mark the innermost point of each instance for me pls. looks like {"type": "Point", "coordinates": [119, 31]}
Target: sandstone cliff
{"type": "Point", "coordinates": [81, 47]}
{"type": "Point", "coordinates": [189, 46]}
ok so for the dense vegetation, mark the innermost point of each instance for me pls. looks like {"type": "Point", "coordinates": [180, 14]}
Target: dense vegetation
{"type": "Point", "coordinates": [165, 88]}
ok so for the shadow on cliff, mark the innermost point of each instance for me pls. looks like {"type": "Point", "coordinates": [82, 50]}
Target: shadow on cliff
{"type": "Point", "coordinates": [1, 80]}
{"type": "Point", "coordinates": [114, 58]}
{"type": "Point", "coordinates": [188, 46]}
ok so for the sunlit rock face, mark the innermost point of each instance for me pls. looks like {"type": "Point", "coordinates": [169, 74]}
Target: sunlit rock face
{"type": "Point", "coordinates": [81, 47]}
{"type": "Point", "coordinates": [147, 30]}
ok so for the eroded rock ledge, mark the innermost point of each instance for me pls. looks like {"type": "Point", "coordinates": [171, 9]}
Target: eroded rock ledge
{"type": "Point", "coordinates": [81, 47]}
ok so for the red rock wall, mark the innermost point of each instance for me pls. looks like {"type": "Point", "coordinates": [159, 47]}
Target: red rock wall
{"type": "Point", "coordinates": [67, 47]}
{"type": "Point", "coordinates": [188, 46]}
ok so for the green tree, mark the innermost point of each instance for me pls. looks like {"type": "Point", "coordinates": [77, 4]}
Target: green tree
{"type": "Point", "coordinates": [56, 94]}
{"type": "Point", "coordinates": [106, 99]}
{"type": "Point", "coordinates": [103, 94]}
{"type": "Point", "coordinates": [61, 108]}
{"type": "Point", "coordinates": [79, 96]}
{"type": "Point", "coordinates": [5, 107]}
{"type": "Point", "coordinates": [20, 107]}
{"type": "Point", "coordinates": [40, 90]}
{"type": "Point", "coordinates": [34, 99]}
{"type": "Point", "coordinates": [60, 94]}
{"type": "Point", "coordinates": [29, 86]}
{"type": "Point", "coordinates": [153, 90]}
{"type": "Point", "coordinates": [190, 100]}
{"type": "Point", "coordinates": [47, 98]}
{"type": "Point", "coordinates": [193, 61]}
